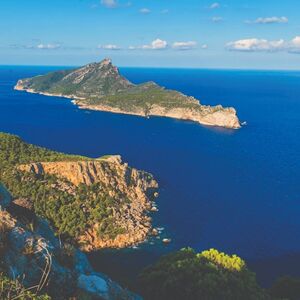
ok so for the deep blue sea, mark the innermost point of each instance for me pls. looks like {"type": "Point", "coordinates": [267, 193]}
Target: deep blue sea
{"type": "Point", "coordinates": [234, 190]}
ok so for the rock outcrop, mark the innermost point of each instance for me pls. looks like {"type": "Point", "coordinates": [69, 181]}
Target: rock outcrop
{"type": "Point", "coordinates": [121, 181]}
{"type": "Point", "coordinates": [38, 260]}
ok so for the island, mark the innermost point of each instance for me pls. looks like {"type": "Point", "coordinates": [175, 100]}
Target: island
{"type": "Point", "coordinates": [100, 86]}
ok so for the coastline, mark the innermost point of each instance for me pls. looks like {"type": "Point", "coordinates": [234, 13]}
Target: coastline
{"type": "Point", "coordinates": [226, 119]}
{"type": "Point", "coordinates": [113, 175]}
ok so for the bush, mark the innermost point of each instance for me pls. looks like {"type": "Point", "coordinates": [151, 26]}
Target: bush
{"type": "Point", "coordinates": [210, 275]}
{"type": "Point", "coordinates": [12, 289]}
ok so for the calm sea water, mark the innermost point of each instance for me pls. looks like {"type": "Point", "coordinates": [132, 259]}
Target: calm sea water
{"type": "Point", "coordinates": [237, 191]}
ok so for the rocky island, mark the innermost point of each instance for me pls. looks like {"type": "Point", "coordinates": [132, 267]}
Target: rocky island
{"type": "Point", "coordinates": [100, 86]}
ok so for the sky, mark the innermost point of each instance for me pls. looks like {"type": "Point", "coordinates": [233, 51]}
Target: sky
{"type": "Point", "coordinates": [242, 34]}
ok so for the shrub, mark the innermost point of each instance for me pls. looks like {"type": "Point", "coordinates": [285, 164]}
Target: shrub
{"type": "Point", "coordinates": [210, 275]}
{"type": "Point", "coordinates": [12, 289]}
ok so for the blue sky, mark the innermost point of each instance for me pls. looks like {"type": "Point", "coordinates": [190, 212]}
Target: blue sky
{"type": "Point", "coordinates": [260, 34]}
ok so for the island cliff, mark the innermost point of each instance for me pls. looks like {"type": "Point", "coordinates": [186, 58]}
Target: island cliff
{"type": "Point", "coordinates": [100, 86]}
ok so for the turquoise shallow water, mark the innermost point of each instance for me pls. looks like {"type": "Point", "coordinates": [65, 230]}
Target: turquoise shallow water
{"type": "Point", "coordinates": [235, 190]}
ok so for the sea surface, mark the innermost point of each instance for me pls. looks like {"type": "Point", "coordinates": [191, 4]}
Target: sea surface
{"type": "Point", "coordinates": [234, 190]}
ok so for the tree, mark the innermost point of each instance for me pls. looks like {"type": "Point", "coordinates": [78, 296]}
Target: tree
{"type": "Point", "coordinates": [210, 275]}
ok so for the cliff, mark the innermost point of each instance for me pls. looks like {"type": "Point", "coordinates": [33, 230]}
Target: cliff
{"type": "Point", "coordinates": [91, 203]}
{"type": "Point", "coordinates": [32, 256]}
{"type": "Point", "coordinates": [121, 182]}
{"type": "Point", "coordinates": [99, 86]}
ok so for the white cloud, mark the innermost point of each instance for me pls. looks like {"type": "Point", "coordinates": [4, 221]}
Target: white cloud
{"type": "Point", "coordinates": [251, 45]}
{"type": "Point", "coordinates": [204, 46]}
{"type": "Point", "coordinates": [263, 45]}
{"type": "Point", "coordinates": [215, 5]}
{"type": "Point", "coordinates": [294, 45]}
{"type": "Point", "coordinates": [296, 41]}
{"type": "Point", "coordinates": [145, 11]}
{"type": "Point", "coordinates": [217, 19]}
{"type": "Point", "coordinates": [109, 3]}
{"type": "Point", "coordinates": [47, 46]}
{"type": "Point", "coordinates": [109, 47]}
{"type": "Point", "coordinates": [269, 20]}
{"type": "Point", "coordinates": [38, 46]}
{"type": "Point", "coordinates": [157, 44]}
{"type": "Point", "coordinates": [184, 45]}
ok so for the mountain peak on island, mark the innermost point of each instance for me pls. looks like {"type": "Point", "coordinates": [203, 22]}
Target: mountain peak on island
{"type": "Point", "coordinates": [100, 86]}
{"type": "Point", "coordinates": [106, 61]}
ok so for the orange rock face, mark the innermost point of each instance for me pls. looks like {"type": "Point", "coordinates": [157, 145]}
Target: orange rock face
{"type": "Point", "coordinates": [119, 179]}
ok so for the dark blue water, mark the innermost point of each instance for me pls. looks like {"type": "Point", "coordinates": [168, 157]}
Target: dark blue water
{"type": "Point", "coordinates": [238, 191]}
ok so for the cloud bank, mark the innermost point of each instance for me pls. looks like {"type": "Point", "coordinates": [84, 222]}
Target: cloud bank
{"type": "Point", "coordinates": [263, 45]}
{"type": "Point", "coordinates": [157, 44]}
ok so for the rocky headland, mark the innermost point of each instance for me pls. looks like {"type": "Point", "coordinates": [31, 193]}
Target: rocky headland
{"type": "Point", "coordinates": [91, 203]}
{"type": "Point", "coordinates": [121, 182]}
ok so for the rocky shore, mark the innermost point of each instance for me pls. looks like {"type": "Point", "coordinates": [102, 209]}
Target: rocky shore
{"type": "Point", "coordinates": [225, 117]}
{"type": "Point", "coordinates": [121, 182]}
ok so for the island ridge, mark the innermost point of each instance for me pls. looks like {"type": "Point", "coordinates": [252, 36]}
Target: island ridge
{"type": "Point", "coordinates": [100, 86]}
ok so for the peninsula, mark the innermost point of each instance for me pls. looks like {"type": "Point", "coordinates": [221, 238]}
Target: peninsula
{"type": "Point", "coordinates": [91, 203]}
{"type": "Point", "coordinates": [100, 86]}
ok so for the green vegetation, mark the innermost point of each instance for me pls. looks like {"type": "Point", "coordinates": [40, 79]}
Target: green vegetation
{"type": "Point", "coordinates": [102, 84]}
{"type": "Point", "coordinates": [44, 83]}
{"type": "Point", "coordinates": [69, 213]}
{"type": "Point", "coordinates": [143, 97]}
{"type": "Point", "coordinates": [13, 289]}
{"type": "Point", "coordinates": [210, 275]}
{"type": "Point", "coordinates": [95, 79]}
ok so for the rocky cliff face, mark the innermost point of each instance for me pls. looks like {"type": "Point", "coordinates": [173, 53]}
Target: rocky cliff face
{"type": "Point", "coordinates": [40, 261]}
{"type": "Point", "coordinates": [223, 117]}
{"type": "Point", "coordinates": [122, 182]}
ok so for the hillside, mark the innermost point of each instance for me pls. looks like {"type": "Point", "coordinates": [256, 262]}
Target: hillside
{"type": "Point", "coordinates": [91, 203]}
{"type": "Point", "coordinates": [34, 261]}
{"type": "Point", "coordinates": [100, 86]}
